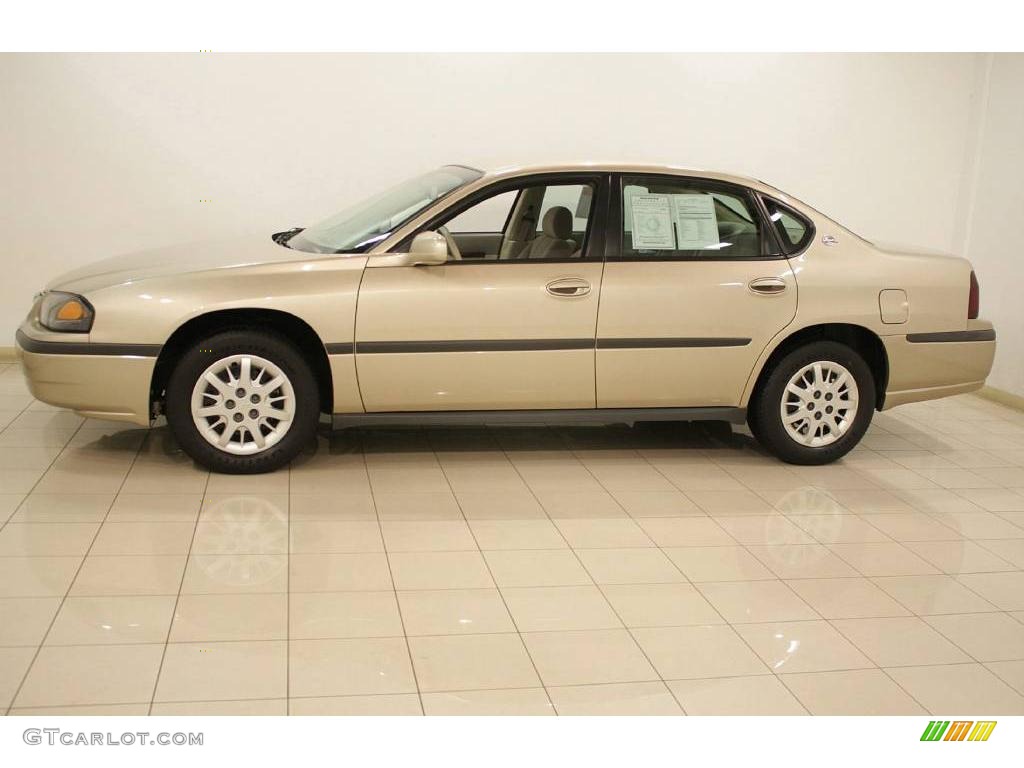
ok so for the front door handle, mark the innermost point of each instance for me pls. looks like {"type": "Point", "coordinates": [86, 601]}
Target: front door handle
{"type": "Point", "coordinates": [767, 286]}
{"type": "Point", "coordinates": [568, 287]}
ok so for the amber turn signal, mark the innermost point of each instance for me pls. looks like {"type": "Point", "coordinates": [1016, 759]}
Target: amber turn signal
{"type": "Point", "coordinates": [71, 310]}
{"type": "Point", "coordinates": [60, 311]}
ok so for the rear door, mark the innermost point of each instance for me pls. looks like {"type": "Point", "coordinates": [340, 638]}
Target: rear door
{"type": "Point", "coordinates": [694, 288]}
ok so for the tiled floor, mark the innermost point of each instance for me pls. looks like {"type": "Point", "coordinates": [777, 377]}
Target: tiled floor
{"type": "Point", "coordinates": [663, 569]}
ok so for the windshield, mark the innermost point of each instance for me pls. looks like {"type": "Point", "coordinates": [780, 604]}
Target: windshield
{"type": "Point", "coordinates": [358, 228]}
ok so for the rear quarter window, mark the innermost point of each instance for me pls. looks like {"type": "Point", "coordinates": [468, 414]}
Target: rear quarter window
{"type": "Point", "coordinates": [793, 229]}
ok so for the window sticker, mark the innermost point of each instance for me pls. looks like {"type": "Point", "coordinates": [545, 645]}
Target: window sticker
{"type": "Point", "coordinates": [652, 222]}
{"type": "Point", "coordinates": [696, 222]}
{"type": "Point", "coordinates": [628, 193]}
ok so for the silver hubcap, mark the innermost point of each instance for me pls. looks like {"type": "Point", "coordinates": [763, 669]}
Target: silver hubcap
{"type": "Point", "coordinates": [243, 404]}
{"type": "Point", "coordinates": [819, 404]}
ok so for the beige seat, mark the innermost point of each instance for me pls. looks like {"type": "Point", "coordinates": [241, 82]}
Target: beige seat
{"type": "Point", "coordinates": [555, 238]}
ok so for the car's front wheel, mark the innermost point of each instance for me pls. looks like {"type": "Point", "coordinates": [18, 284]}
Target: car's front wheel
{"type": "Point", "coordinates": [242, 402]}
{"type": "Point", "coordinates": [815, 404]}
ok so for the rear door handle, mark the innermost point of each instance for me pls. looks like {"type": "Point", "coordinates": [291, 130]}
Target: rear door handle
{"type": "Point", "coordinates": [568, 287]}
{"type": "Point", "coordinates": [767, 286]}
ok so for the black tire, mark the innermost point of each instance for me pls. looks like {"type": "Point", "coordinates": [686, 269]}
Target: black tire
{"type": "Point", "coordinates": [765, 419]}
{"type": "Point", "coordinates": [272, 348]}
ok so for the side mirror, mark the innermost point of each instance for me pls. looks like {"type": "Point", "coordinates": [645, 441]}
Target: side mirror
{"type": "Point", "coordinates": [428, 248]}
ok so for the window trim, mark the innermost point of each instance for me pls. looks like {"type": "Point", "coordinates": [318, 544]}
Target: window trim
{"type": "Point", "coordinates": [594, 243]}
{"type": "Point", "coordinates": [615, 237]}
{"type": "Point", "coordinates": [792, 250]}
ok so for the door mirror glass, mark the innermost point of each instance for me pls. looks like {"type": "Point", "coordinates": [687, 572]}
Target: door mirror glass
{"type": "Point", "coordinates": [428, 248]}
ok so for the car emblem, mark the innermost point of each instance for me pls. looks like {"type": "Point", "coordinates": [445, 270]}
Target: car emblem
{"type": "Point", "coordinates": [829, 240]}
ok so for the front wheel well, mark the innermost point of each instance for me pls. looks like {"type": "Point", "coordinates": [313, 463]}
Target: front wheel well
{"type": "Point", "coordinates": [865, 342]}
{"type": "Point", "coordinates": [284, 324]}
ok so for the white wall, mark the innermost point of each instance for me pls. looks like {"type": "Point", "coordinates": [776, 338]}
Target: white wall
{"type": "Point", "coordinates": [101, 154]}
{"type": "Point", "coordinates": [995, 209]}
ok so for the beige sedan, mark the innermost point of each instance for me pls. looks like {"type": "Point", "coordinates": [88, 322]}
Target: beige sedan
{"type": "Point", "coordinates": [588, 292]}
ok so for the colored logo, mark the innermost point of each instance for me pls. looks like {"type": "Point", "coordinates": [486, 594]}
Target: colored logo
{"type": "Point", "coordinates": [958, 730]}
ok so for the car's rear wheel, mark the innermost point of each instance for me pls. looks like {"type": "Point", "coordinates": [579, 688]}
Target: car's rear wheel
{"type": "Point", "coordinates": [242, 402]}
{"type": "Point", "coordinates": [815, 404]}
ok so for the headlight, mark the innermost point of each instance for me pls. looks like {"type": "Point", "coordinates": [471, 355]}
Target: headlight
{"type": "Point", "coordinates": [65, 312]}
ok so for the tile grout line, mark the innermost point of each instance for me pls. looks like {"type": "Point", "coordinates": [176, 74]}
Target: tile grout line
{"type": "Point", "coordinates": [782, 581]}
{"type": "Point", "coordinates": [554, 522]}
{"type": "Point", "coordinates": [177, 598]}
{"type": "Point", "coordinates": [490, 572]}
{"type": "Point", "coordinates": [698, 591]}
{"type": "Point", "coordinates": [698, 583]}
{"type": "Point", "coordinates": [872, 580]}
{"type": "Point", "coordinates": [779, 579]}
{"type": "Point", "coordinates": [511, 688]}
{"type": "Point", "coordinates": [842, 634]}
{"type": "Point", "coordinates": [28, 493]}
{"type": "Point", "coordinates": [723, 623]}
{"type": "Point", "coordinates": [728, 468]}
{"type": "Point", "coordinates": [882, 669]}
{"type": "Point", "coordinates": [391, 573]}
{"type": "Point", "coordinates": [713, 606]}
{"type": "Point", "coordinates": [81, 564]}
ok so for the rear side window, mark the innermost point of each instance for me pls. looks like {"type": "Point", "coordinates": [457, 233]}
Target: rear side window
{"type": "Point", "coordinates": [794, 230]}
{"type": "Point", "coordinates": [682, 218]}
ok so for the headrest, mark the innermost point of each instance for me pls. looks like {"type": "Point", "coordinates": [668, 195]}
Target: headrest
{"type": "Point", "coordinates": [557, 223]}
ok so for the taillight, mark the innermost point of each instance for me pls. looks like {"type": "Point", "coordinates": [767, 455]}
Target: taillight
{"type": "Point", "coordinates": [974, 300]}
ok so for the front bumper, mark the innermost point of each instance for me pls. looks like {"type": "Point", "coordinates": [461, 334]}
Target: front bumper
{"type": "Point", "coordinates": [68, 375]}
{"type": "Point", "coordinates": [928, 366]}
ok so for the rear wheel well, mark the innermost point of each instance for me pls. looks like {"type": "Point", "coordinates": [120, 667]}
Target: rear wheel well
{"type": "Point", "coordinates": [283, 324]}
{"type": "Point", "coordinates": [866, 343]}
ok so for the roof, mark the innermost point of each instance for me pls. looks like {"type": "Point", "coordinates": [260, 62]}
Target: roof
{"type": "Point", "coordinates": [506, 171]}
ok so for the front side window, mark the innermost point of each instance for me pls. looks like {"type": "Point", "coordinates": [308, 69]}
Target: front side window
{"type": "Point", "coordinates": [689, 218]}
{"type": "Point", "coordinates": [576, 198]}
{"type": "Point", "coordinates": [532, 221]}
{"type": "Point", "coordinates": [360, 227]}
{"type": "Point", "coordinates": [489, 215]}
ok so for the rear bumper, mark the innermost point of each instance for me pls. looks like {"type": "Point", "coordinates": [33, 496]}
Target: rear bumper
{"type": "Point", "coordinates": [102, 386]}
{"type": "Point", "coordinates": [925, 366]}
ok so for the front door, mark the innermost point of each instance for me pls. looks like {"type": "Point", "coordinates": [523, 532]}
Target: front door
{"type": "Point", "coordinates": [693, 291]}
{"type": "Point", "coordinates": [507, 323]}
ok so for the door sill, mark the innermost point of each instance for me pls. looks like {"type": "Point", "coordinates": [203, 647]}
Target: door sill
{"type": "Point", "coordinates": [547, 416]}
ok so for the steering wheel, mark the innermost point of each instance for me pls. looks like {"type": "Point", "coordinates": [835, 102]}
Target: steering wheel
{"type": "Point", "coordinates": [453, 247]}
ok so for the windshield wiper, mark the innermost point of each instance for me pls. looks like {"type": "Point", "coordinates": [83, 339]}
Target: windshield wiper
{"type": "Point", "coordinates": [282, 238]}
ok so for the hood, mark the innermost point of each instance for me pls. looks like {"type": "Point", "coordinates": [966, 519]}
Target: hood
{"type": "Point", "coordinates": [176, 260]}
